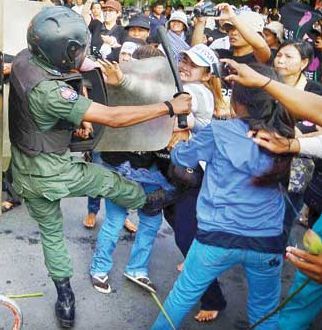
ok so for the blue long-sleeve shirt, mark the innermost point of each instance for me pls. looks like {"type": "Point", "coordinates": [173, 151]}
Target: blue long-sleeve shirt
{"type": "Point", "coordinates": [230, 209]}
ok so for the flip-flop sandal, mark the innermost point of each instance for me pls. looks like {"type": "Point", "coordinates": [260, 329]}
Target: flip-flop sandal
{"type": "Point", "coordinates": [143, 282]}
{"type": "Point", "coordinates": [130, 226]}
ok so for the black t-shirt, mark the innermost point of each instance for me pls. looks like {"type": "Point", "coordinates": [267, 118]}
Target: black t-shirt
{"type": "Point", "coordinates": [314, 70]}
{"type": "Point", "coordinates": [298, 19]}
{"type": "Point", "coordinates": [215, 33]}
{"type": "Point", "coordinates": [97, 29]}
{"type": "Point", "coordinates": [137, 159]}
{"type": "Point", "coordinates": [228, 53]}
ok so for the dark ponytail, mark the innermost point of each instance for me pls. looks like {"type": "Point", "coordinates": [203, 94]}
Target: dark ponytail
{"type": "Point", "coordinates": [265, 113]}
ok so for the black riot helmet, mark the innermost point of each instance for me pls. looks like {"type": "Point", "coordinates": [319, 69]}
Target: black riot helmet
{"type": "Point", "coordinates": [59, 37]}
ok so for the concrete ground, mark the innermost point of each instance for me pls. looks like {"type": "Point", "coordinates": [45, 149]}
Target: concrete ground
{"type": "Point", "coordinates": [127, 307]}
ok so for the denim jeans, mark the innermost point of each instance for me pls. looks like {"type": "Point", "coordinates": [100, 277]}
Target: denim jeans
{"type": "Point", "coordinates": [206, 262]}
{"type": "Point", "coordinates": [307, 304]}
{"type": "Point", "coordinates": [109, 234]}
{"type": "Point", "coordinates": [185, 227]}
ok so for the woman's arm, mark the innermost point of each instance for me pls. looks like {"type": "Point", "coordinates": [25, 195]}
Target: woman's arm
{"type": "Point", "coordinates": [200, 147]}
{"type": "Point", "coordinates": [310, 146]}
{"type": "Point", "coordinates": [299, 103]}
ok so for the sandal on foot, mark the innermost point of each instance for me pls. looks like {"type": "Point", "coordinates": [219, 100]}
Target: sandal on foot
{"type": "Point", "coordinates": [206, 316]}
{"type": "Point", "coordinates": [142, 281]}
{"type": "Point", "coordinates": [100, 283]}
{"type": "Point", "coordinates": [90, 221]}
{"type": "Point", "coordinates": [130, 226]}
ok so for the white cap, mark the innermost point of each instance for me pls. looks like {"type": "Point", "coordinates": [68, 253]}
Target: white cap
{"type": "Point", "coordinates": [277, 28]}
{"type": "Point", "coordinates": [202, 55]}
{"type": "Point", "coordinates": [252, 19]}
{"type": "Point", "coordinates": [129, 47]}
{"type": "Point", "coordinates": [178, 16]}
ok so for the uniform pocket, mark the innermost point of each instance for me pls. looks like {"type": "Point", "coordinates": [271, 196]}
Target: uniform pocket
{"type": "Point", "coordinates": [49, 189]}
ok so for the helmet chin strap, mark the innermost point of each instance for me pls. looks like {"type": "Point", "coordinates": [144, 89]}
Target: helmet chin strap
{"type": "Point", "coordinates": [42, 58]}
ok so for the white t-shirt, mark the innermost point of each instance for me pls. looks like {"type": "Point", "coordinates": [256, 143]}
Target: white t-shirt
{"type": "Point", "coordinates": [203, 103]}
{"type": "Point", "coordinates": [78, 9]}
{"type": "Point", "coordinates": [220, 43]}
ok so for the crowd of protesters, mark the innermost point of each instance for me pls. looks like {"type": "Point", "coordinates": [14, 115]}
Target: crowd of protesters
{"type": "Point", "coordinates": [248, 188]}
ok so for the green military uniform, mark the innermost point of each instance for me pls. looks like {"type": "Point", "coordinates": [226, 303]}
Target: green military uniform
{"type": "Point", "coordinates": [44, 179]}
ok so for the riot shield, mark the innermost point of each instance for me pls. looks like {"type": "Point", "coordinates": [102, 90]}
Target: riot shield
{"type": "Point", "coordinates": [146, 81]}
{"type": "Point", "coordinates": [94, 83]}
{"type": "Point", "coordinates": [15, 16]}
{"type": "Point", "coordinates": [13, 36]}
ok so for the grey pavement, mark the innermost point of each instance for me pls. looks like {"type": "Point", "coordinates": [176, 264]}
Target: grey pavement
{"type": "Point", "coordinates": [127, 307]}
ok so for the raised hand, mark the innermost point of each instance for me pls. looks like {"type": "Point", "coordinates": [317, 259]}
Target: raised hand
{"type": "Point", "coordinates": [244, 75]}
{"type": "Point", "coordinates": [113, 73]}
{"type": "Point", "coordinates": [226, 11]}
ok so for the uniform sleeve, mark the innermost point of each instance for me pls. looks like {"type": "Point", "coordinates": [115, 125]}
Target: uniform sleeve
{"type": "Point", "coordinates": [199, 148]}
{"type": "Point", "coordinates": [52, 100]}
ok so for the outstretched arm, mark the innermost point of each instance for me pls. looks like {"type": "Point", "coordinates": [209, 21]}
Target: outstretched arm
{"type": "Point", "coordinates": [123, 116]}
{"type": "Point", "coordinates": [261, 50]}
{"type": "Point", "coordinates": [300, 104]}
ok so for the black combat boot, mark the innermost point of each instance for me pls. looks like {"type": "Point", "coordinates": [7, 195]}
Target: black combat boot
{"type": "Point", "coordinates": [65, 304]}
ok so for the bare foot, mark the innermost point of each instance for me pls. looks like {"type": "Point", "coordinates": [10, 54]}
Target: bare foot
{"type": "Point", "coordinates": [180, 267]}
{"type": "Point", "coordinates": [90, 221]}
{"type": "Point", "coordinates": [206, 316]}
{"type": "Point", "coordinates": [130, 226]}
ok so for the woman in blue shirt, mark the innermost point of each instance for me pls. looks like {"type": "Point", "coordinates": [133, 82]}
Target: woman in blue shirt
{"type": "Point", "coordinates": [240, 208]}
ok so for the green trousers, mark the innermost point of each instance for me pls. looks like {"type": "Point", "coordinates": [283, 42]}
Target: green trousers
{"type": "Point", "coordinates": [43, 194]}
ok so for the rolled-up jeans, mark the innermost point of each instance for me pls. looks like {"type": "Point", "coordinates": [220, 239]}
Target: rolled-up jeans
{"type": "Point", "coordinates": [204, 263]}
{"type": "Point", "coordinates": [109, 233]}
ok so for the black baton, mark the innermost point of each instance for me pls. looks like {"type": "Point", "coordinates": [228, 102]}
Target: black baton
{"type": "Point", "coordinates": [162, 35]}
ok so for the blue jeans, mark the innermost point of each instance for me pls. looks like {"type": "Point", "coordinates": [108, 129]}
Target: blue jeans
{"type": "Point", "coordinates": [109, 234]}
{"type": "Point", "coordinates": [204, 263]}
{"type": "Point", "coordinates": [307, 304]}
{"type": "Point", "coordinates": [185, 228]}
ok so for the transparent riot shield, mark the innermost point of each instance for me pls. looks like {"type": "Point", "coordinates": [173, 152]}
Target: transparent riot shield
{"type": "Point", "coordinates": [146, 81]}
{"type": "Point", "coordinates": [15, 16]}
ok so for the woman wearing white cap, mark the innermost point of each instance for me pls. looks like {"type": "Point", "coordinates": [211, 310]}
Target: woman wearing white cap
{"type": "Point", "coordinates": [198, 68]}
{"type": "Point", "coordinates": [240, 208]}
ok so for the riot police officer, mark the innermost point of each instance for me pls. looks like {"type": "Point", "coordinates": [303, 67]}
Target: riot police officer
{"type": "Point", "coordinates": [45, 106]}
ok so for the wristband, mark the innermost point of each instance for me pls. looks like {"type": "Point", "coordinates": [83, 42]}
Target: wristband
{"type": "Point", "coordinates": [170, 108]}
{"type": "Point", "coordinates": [270, 79]}
{"type": "Point", "coordinates": [289, 144]}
